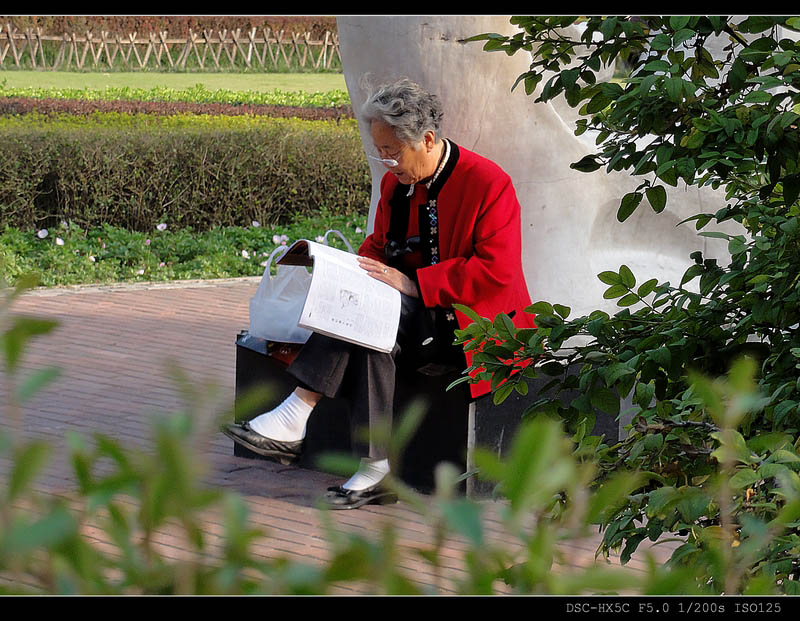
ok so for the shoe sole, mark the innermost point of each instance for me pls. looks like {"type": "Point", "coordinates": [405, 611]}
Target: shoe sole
{"type": "Point", "coordinates": [285, 459]}
{"type": "Point", "coordinates": [383, 499]}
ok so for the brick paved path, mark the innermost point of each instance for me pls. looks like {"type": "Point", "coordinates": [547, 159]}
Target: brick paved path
{"type": "Point", "coordinates": [114, 345]}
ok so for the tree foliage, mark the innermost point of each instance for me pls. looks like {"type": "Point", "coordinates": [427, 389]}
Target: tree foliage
{"type": "Point", "coordinates": [682, 116]}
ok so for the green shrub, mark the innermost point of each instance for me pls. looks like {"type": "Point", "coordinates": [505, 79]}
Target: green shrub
{"type": "Point", "coordinates": [682, 116]}
{"type": "Point", "coordinates": [193, 170]}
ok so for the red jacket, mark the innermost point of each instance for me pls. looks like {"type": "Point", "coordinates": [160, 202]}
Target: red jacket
{"type": "Point", "coordinates": [480, 244]}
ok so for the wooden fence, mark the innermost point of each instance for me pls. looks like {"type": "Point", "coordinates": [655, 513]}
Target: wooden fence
{"type": "Point", "coordinates": [210, 49]}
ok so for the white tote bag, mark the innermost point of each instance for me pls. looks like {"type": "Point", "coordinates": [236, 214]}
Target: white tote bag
{"type": "Point", "coordinates": [276, 306]}
{"type": "Point", "coordinates": [278, 302]}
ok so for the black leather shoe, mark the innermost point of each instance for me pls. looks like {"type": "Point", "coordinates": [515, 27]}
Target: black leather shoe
{"type": "Point", "coordinates": [341, 498]}
{"type": "Point", "coordinates": [286, 453]}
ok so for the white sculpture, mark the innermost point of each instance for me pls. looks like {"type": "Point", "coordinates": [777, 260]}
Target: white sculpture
{"type": "Point", "coordinates": [570, 231]}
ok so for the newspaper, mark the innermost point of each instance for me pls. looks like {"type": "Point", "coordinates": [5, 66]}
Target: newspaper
{"type": "Point", "coordinates": [343, 301]}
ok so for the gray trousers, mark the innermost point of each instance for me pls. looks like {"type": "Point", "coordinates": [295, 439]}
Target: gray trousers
{"type": "Point", "coordinates": [364, 376]}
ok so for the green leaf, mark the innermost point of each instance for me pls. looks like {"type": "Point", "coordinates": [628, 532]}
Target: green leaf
{"type": "Point", "coordinates": [615, 291]}
{"type": "Point", "coordinates": [657, 65]}
{"type": "Point", "coordinates": [647, 288]}
{"type": "Point", "coordinates": [562, 310]}
{"type": "Point", "coordinates": [464, 517]}
{"type": "Point", "coordinates": [27, 465]}
{"type": "Point", "coordinates": [609, 278]}
{"type": "Point", "coordinates": [605, 399]}
{"type": "Point", "coordinates": [757, 96]}
{"type": "Point", "coordinates": [616, 371]}
{"type": "Point", "coordinates": [738, 74]}
{"type": "Point", "coordinates": [662, 356]}
{"type": "Point", "coordinates": [627, 277]}
{"type": "Point", "coordinates": [502, 393]}
{"type": "Point", "coordinates": [467, 311]}
{"type": "Point", "coordinates": [659, 499]}
{"type": "Point", "coordinates": [540, 308]}
{"type": "Point", "coordinates": [674, 88]}
{"type": "Point", "coordinates": [661, 42]}
{"type": "Point", "coordinates": [756, 23]}
{"type": "Point", "coordinates": [744, 477]}
{"type": "Point", "coordinates": [628, 300]}
{"type": "Point", "coordinates": [612, 495]}
{"type": "Point", "coordinates": [552, 368]}
{"type": "Point", "coordinates": [791, 189]}
{"type": "Point", "coordinates": [54, 528]}
{"type": "Point", "coordinates": [682, 35]}
{"type": "Point", "coordinates": [587, 163]}
{"type": "Point", "coordinates": [677, 22]}
{"type": "Point", "coordinates": [693, 504]}
{"type": "Point", "coordinates": [693, 272]}
{"type": "Point", "coordinates": [22, 330]}
{"type": "Point", "coordinates": [657, 197]}
{"type": "Point", "coordinates": [628, 205]}
{"type": "Point", "coordinates": [716, 234]}
{"type": "Point", "coordinates": [36, 382]}
{"type": "Point", "coordinates": [597, 103]}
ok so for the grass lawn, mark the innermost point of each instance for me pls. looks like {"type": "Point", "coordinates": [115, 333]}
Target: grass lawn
{"type": "Point", "coordinates": [308, 82]}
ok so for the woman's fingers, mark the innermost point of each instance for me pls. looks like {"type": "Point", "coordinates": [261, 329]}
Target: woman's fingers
{"type": "Point", "coordinates": [389, 275]}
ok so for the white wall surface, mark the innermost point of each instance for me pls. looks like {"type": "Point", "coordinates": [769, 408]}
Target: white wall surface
{"type": "Point", "coordinates": [570, 231]}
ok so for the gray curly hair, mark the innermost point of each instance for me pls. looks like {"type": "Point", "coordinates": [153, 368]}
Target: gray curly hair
{"type": "Point", "coordinates": [407, 108]}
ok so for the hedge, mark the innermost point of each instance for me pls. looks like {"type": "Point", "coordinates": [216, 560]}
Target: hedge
{"type": "Point", "coordinates": [53, 105]}
{"type": "Point", "coordinates": [136, 171]}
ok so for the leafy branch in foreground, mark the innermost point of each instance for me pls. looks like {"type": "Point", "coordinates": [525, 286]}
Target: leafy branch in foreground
{"type": "Point", "coordinates": [681, 116]}
{"type": "Point", "coordinates": [103, 537]}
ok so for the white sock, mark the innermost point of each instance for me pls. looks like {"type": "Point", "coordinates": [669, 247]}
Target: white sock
{"type": "Point", "coordinates": [286, 422]}
{"type": "Point", "coordinates": [369, 473]}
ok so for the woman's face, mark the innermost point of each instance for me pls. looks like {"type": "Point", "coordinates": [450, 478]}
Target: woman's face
{"type": "Point", "coordinates": [413, 164]}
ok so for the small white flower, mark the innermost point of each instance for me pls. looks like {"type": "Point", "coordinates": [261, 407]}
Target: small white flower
{"type": "Point", "coordinates": [91, 258]}
{"type": "Point", "coordinates": [319, 239]}
{"type": "Point", "coordinates": [245, 254]}
{"type": "Point", "coordinates": [263, 264]}
{"type": "Point", "coordinates": [140, 272]}
{"type": "Point", "coordinates": [276, 239]}
{"type": "Point", "coordinates": [358, 229]}
{"type": "Point", "coordinates": [284, 238]}
{"type": "Point", "coordinates": [162, 264]}
{"type": "Point", "coordinates": [64, 224]}
{"type": "Point", "coordinates": [162, 226]}
{"type": "Point", "coordinates": [42, 233]}
{"type": "Point", "coordinates": [59, 241]}
{"type": "Point", "coordinates": [256, 223]}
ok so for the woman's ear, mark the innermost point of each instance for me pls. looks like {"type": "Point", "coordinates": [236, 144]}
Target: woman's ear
{"type": "Point", "coordinates": [430, 140]}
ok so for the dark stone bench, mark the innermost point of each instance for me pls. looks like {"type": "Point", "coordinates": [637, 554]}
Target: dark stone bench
{"type": "Point", "coordinates": [453, 424]}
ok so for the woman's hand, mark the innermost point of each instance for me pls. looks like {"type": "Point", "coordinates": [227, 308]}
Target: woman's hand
{"type": "Point", "coordinates": [389, 275]}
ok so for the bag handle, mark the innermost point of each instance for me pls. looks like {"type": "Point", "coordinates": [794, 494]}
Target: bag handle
{"type": "Point", "coordinates": [280, 249]}
{"type": "Point", "coordinates": [342, 237]}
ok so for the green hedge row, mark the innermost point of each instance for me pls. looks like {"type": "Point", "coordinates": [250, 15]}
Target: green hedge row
{"type": "Point", "coordinates": [198, 171]}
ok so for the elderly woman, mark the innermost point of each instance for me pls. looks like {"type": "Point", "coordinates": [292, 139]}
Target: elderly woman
{"type": "Point", "coordinates": [446, 231]}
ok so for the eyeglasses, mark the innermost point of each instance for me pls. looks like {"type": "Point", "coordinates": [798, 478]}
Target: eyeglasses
{"type": "Point", "coordinates": [393, 249]}
{"type": "Point", "coordinates": [386, 161]}
{"type": "Point", "coordinates": [391, 161]}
